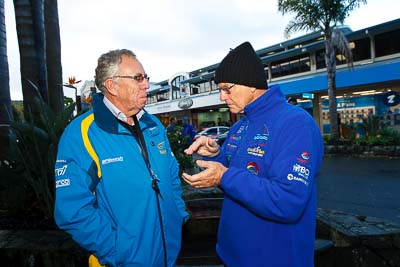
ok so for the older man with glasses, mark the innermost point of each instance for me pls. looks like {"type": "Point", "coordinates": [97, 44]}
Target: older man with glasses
{"type": "Point", "coordinates": [266, 168]}
{"type": "Point", "coordinates": [117, 186]}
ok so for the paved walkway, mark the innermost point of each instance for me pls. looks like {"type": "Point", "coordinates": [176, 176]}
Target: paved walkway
{"type": "Point", "coordinates": [364, 186]}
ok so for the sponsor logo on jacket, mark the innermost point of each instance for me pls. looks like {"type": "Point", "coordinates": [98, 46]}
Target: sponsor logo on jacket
{"type": "Point", "coordinates": [301, 171]}
{"type": "Point", "coordinates": [253, 168]}
{"type": "Point", "coordinates": [154, 131]}
{"type": "Point", "coordinates": [63, 182]}
{"type": "Point", "coordinates": [304, 157]}
{"type": "Point", "coordinates": [240, 130]}
{"type": "Point", "coordinates": [161, 148]}
{"type": "Point", "coordinates": [112, 160]}
{"type": "Point", "coordinates": [291, 177]}
{"type": "Point", "coordinates": [256, 151]}
{"type": "Point", "coordinates": [235, 137]}
{"type": "Point", "coordinates": [263, 137]}
{"type": "Point", "coordinates": [61, 171]}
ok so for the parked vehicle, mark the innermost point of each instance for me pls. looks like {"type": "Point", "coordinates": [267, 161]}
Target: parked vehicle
{"type": "Point", "coordinates": [218, 133]}
{"type": "Point", "coordinates": [221, 138]}
{"type": "Point", "coordinates": [207, 124]}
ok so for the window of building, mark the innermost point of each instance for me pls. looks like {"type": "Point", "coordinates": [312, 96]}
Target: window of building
{"type": "Point", "coordinates": [362, 49]}
{"type": "Point", "coordinates": [387, 43]}
{"type": "Point", "coordinates": [178, 90]}
{"type": "Point", "coordinates": [194, 89]}
{"type": "Point", "coordinates": [320, 59]}
{"type": "Point", "coordinates": [162, 96]}
{"type": "Point", "coordinates": [202, 87]}
{"type": "Point", "coordinates": [290, 66]}
{"type": "Point", "coordinates": [151, 99]}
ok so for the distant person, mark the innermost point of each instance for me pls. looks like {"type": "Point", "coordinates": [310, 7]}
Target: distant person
{"type": "Point", "coordinates": [171, 128]}
{"type": "Point", "coordinates": [266, 168]}
{"type": "Point", "coordinates": [188, 131]}
{"type": "Point", "coordinates": [118, 191]}
{"type": "Point", "coordinates": [292, 101]}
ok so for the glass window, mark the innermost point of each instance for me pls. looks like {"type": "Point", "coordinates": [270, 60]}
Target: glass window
{"type": "Point", "coordinates": [162, 96]}
{"type": "Point", "coordinates": [290, 66]}
{"type": "Point", "coordinates": [361, 50]}
{"type": "Point", "coordinates": [223, 130]}
{"type": "Point", "coordinates": [387, 43]}
{"type": "Point", "coordinates": [178, 90]}
{"type": "Point", "coordinates": [212, 131]}
{"type": "Point", "coordinates": [151, 99]}
{"type": "Point", "coordinates": [203, 88]}
{"type": "Point", "coordinates": [320, 59]}
{"type": "Point", "coordinates": [194, 89]}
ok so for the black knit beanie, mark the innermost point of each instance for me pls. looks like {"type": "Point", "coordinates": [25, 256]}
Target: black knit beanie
{"type": "Point", "coordinates": [242, 66]}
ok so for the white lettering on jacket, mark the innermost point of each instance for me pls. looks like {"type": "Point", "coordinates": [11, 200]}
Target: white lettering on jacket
{"type": "Point", "coordinates": [63, 182]}
{"type": "Point", "coordinates": [111, 160]}
{"type": "Point", "coordinates": [61, 171]}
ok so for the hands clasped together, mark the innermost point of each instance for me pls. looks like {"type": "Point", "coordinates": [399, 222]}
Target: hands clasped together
{"type": "Point", "coordinates": [211, 176]}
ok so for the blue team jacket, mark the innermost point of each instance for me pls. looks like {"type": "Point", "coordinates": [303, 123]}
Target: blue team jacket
{"type": "Point", "coordinates": [269, 211]}
{"type": "Point", "coordinates": [115, 217]}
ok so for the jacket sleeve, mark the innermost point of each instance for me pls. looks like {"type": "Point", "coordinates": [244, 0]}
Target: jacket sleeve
{"type": "Point", "coordinates": [75, 204]}
{"type": "Point", "coordinates": [285, 189]}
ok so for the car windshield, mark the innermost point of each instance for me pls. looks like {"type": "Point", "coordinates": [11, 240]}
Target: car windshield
{"type": "Point", "coordinates": [224, 130]}
{"type": "Point", "coordinates": [212, 131]}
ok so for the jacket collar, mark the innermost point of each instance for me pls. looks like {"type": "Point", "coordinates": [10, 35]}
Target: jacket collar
{"type": "Point", "coordinates": [272, 100]}
{"type": "Point", "coordinates": [107, 121]}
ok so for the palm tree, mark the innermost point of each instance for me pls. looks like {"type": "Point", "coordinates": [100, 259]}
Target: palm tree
{"type": "Point", "coordinates": [324, 16]}
{"type": "Point", "coordinates": [6, 115]}
{"type": "Point", "coordinates": [53, 56]}
{"type": "Point", "coordinates": [29, 17]}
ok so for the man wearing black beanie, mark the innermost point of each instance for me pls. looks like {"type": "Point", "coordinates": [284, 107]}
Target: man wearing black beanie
{"type": "Point", "coordinates": [267, 169]}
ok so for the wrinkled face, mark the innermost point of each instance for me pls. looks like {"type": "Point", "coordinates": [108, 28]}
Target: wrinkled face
{"type": "Point", "coordinates": [127, 92]}
{"type": "Point", "coordinates": [236, 96]}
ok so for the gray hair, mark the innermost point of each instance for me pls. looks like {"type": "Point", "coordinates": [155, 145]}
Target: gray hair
{"type": "Point", "coordinates": [107, 66]}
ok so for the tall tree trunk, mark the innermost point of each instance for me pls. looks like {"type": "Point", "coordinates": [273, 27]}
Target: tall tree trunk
{"type": "Point", "coordinates": [31, 40]}
{"type": "Point", "coordinates": [331, 73]}
{"type": "Point", "coordinates": [6, 115]}
{"type": "Point", "coordinates": [53, 56]}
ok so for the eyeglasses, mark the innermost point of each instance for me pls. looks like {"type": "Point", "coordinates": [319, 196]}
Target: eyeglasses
{"type": "Point", "coordinates": [138, 77]}
{"type": "Point", "coordinates": [226, 89]}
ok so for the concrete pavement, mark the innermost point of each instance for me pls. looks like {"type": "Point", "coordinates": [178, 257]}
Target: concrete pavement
{"type": "Point", "coordinates": [364, 186]}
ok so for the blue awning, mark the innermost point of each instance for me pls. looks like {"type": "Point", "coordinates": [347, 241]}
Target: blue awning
{"type": "Point", "coordinates": [379, 72]}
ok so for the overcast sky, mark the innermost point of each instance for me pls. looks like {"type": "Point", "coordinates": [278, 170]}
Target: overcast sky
{"type": "Point", "coordinates": [168, 36]}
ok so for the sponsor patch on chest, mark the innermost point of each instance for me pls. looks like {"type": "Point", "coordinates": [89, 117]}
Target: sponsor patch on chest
{"type": "Point", "coordinates": [256, 151]}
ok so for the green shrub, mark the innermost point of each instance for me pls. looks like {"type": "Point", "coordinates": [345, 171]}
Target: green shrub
{"type": "Point", "coordinates": [385, 136]}
{"type": "Point", "coordinates": [178, 145]}
{"type": "Point", "coordinates": [33, 148]}
{"type": "Point", "coordinates": [371, 126]}
{"type": "Point", "coordinates": [349, 131]}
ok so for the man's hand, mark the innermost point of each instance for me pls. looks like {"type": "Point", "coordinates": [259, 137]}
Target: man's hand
{"type": "Point", "coordinates": [203, 146]}
{"type": "Point", "coordinates": [210, 177]}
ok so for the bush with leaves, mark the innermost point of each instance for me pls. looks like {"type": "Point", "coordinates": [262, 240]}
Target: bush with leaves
{"type": "Point", "coordinates": [371, 126]}
{"type": "Point", "coordinates": [349, 131]}
{"type": "Point", "coordinates": [178, 145]}
{"type": "Point", "coordinates": [377, 133]}
{"type": "Point", "coordinates": [32, 152]}
{"type": "Point", "coordinates": [385, 137]}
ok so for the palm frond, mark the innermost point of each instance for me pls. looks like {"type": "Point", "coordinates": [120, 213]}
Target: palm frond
{"type": "Point", "coordinates": [341, 43]}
